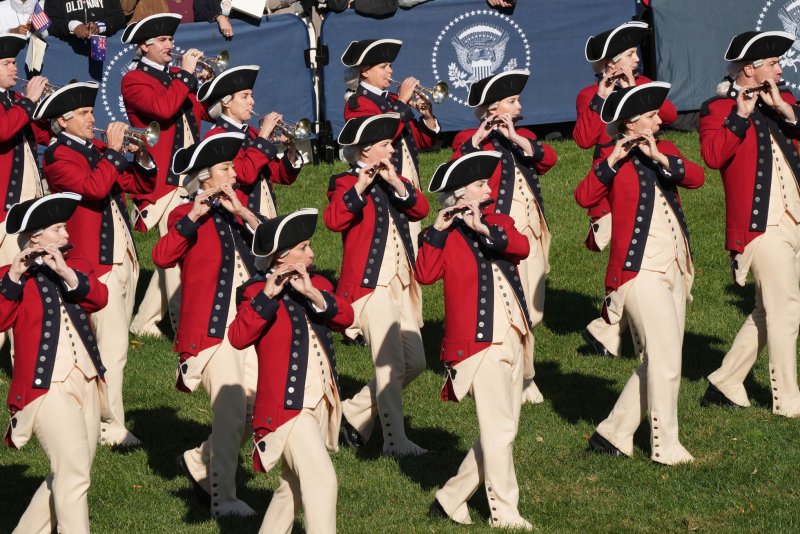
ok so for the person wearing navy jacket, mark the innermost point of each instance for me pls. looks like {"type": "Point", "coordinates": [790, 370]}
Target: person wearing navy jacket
{"type": "Point", "coordinates": [650, 269]}
{"type": "Point", "coordinates": [229, 100]}
{"type": "Point", "coordinates": [749, 132]}
{"type": "Point", "coordinates": [57, 388]}
{"type": "Point", "coordinates": [100, 227]}
{"type": "Point", "coordinates": [515, 186]}
{"type": "Point", "coordinates": [615, 60]}
{"type": "Point", "coordinates": [288, 314]}
{"type": "Point", "coordinates": [486, 324]}
{"type": "Point", "coordinates": [210, 238]}
{"type": "Point", "coordinates": [372, 206]}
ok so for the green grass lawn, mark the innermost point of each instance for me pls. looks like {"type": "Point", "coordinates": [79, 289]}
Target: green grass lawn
{"type": "Point", "coordinates": [745, 478]}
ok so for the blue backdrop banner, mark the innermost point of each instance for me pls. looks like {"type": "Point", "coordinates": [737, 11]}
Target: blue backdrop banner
{"type": "Point", "coordinates": [461, 41]}
{"type": "Point", "coordinates": [284, 82]}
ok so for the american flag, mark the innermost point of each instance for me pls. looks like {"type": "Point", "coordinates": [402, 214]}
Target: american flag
{"type": "Point", "coordinates": [39, 19]}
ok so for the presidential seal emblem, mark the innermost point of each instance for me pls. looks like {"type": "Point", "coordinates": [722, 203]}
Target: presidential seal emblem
{"type": "Point", "coordinates": [777, 15]}
{"type": "Point", "coordinates": [475, 45]}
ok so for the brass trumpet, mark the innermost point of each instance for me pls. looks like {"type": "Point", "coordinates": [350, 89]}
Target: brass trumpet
{"type": "Point", "coordinates": [138, 136]}
{"type": "Point", "coordinates": [436, 94]}
{"type": "Point", "coordinates": [463, 209]}
{"type": "Point", "coordinates": [214, 65]}
{"type": "Point", "coordinates": [763, 87]}
{"type": "Point", "coordinates": [49, 88]}
{"type": "Point", "coordinates": [294, 131]}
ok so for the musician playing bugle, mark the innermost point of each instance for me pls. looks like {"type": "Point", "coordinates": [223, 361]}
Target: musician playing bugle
{"type": "Point", "coordinates": [154, 91]}
{"type": "Point", "coordinates": [614, 58]}
{"type": "Point", "coordinates": [211, 243]}
{"type": "Point", "coordinates": [100, 227]}
{"type": "Point", "coordinates": [371, 206]}
{"type": "Point", "coordinates": [230, 102]}
{"type": "Point", "coordinates": [515, 186]}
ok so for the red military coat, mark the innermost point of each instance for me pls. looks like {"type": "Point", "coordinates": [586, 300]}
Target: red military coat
{"type": "Point", "coordinates": [590, 131]}
{"type": "Point", "coordinates": [464, 259]}
{"type": "Point", "coordinates": [205, 252]}
{"type": "Point", "coordinates": [16, 128]}
{"type": "Point", "coordinates": [101, 176]}
{"type": "Point", "coordinates": [364, 224]}
{"type": "Point", "coordinates": [278, 329]}
{"type": "Point", "coordinates": [735, 146]}
{"type": "Point", "coordinates": [632, 199]}
{"type": "Point", "coordinates": [417, 135]}
{"type": "Point", "coordinates": [257, 161]}
{"type": "Point", "coordinates": [502, 181]}
{"type": "Point", "coordinates": [25, 309]}
{"type": "Point", "coordinates": [153, 95]}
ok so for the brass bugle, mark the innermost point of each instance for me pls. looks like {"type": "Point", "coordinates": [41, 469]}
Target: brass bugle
{"type": "Point", "coordinates": [138, 136]}
{"type": "Point", "coordinates": [214, 65]}
{"type": "Point", "coordinates": [281, 277]}
{"type": "Point", "coordinates": [39, 253]}
{"type": "Point", "coordinates": [463, 209]}
{"type": "Point", "coordinates": [436, 94]}
{"type": "Point", "coordinates": [211, 199]}
{"type": "Point", "coordinates": [49, 88]}
{"type": "Point", "coordinates": [763, 87]}
{"type": "Point", "coordinates": [301, 130]}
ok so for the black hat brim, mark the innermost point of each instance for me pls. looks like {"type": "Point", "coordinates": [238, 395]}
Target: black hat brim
{"type": "Point", "coordinates": [613, 42]}
{"type": "Point", "coordinates": [497, 87]}
{"type": "Point", "coordinates": [632, 101]}
{"type": "Point", "coordinates": [281, 233]}
{"type": "Point", "coordinates": [752, 46]}
{"type": "Point", "coordinates": [208, 152]}
{"type": "Point", "coordinates": [371, 52]}
{"type": "Point", "coordinates": [464, 170]}
{"type": "Point", "coordinates": [68, 98]}
{"type": "Point", "coordinates": [151, 27]}
{"type": "Point", "coordinates": [370, 129]}
{"type": "Point", "coordinates": [39, 213]}
{"type": "Point", "coordinates": [228, 82]}
{"type": "Point", "coordinates": [11, 45]}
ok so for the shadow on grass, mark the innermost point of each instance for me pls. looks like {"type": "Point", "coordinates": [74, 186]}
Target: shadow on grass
{"type": "Point", "coordinates": [576, 397]}
{"type": "Point", "coordinates": [17, 492]}
{"type": "Point", "coordinates": [566, 312]}
{"type": "Point", "coordinates": [744, 298]}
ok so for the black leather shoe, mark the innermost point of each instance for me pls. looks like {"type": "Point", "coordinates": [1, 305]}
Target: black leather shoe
{"type": "Point", "coordinates": [714, 397]}
{"type": "Point", "coordinates": [349, 436]}
{"type": "Point", "coordinates": [197, 489]}
{"type": "Point", "coordinates": [437, 511]}
{"type": "Point", "coordinates": [594, 344]}
{"type": "Point", "coordinates": [359, 341]}
{"type": "Point", "coordinates": [598, 443]}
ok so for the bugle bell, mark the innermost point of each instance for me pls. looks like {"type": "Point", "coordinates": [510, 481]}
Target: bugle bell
{"type": "Point", "coordinates": [301, 130]}
{"type": "Point", "coordinates": [436, 94]}
{"type": "Point", "coordinates": [214, 65]}
{"type": "Point", "coordinates": [49, 88]}
{"type": "Point", "coordinates": [139, 136]}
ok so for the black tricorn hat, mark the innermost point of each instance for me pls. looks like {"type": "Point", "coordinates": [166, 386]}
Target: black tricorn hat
{"type": "Point", "coordinates": [286, 231]}
{"type": "Point", "coordinates": [11, 44]}
{"type": "Point", "coordinates": [371, 52]}
{"type": "Point", "coordinates": [751, 46]}
{"type": "Point", "coordinates": [613, 42]}
{"type": "Point", "coordinates": [635, 100]}
{"type": "Point", "coordinates": [497, 87]}
{"type": "Point", "coordinates": [151, 27]}
{"type": "Point", "coordinates": [210, 151]}
{"type": "Point", "coordinates": [68, 98]}
{"type": "Point", "coordinates": [464, 170]}
{"type": "Point", "coordinates": [368, 130]}
{"type": "Point", "coordinates": [39, 213]}
{"type": "Point", "coordinates": [228, 82]}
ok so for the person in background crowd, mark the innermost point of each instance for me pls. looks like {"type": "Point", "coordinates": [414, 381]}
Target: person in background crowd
{"type": "Point", "coordinates": [615, 61]}
{"type": "Point", "coordinates": [154, 91]}
{"type": "Point", "coordinates": [749, 132]}
{"type": "Point", "coordinates": [515, 186]}
{"type": "Point", "coordinates": [100, 227]}
{"type": "Point", "coordinates": [57, 389]}
{"type": "Point", "coordinates": [288, 314]}
{"type": "Point", "coordinates": [371, 206]}
{"type": "Point", "coordinates": [650, 269]}
{"type": "Point", "coordinates": [229, 101]}
{"type": "Point", "coordinates": [15, 16]}
{"type": "Point", "coordinates": [136, 10]}
{"type": "Point", "coordinates": [19, 169]}
{"type": "Point", "coordinates": [84, 18]}
{"type": "Point", "coordinates": [484, 334]}
{"type": "Point", "coordinates": [210, 239]}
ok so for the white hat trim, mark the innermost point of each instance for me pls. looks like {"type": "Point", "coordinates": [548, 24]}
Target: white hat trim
{"type": "Point", "coordinates": [137, 25]}
{"type": "Point", "coordinates": [227, 72]}
{"type": "Point", "coordinates": [367, 123]}
{"type": "Point", "coordinates": [304, 211]}
{"type": "Point", "coordinates": [39, 111]}
{"type": "Point", "coordinates": [41, 201]}
{"type": "Point", "coordinates": [755, 38]}
{"type": "Point", "coordinates": [199, 149]}
{"type": "Point", "coordinates": [458, 162]}
{"type": "Point", "coordinates": [630, 93]}
{"type": "Point", "coordinates": [632, 24]}
{"type": "Point", "coordinates": [368, 48]}
{"type": "Point", "coordinates": [496, 78]}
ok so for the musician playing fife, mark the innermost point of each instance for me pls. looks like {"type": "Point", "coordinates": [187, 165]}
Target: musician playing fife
{"type": "Point", "coordinates": [100, 227]}
{"type": "Point", "coordinates": [154, 91]}
{"type": "Point", "coordinates": [229, 100]}
{"type": "Point", "coordinates": [751, 137]}
{"type": "Point", "coordinates": [57, 389]}
{"type": "Point", "coordinates": [209, 240]}
{"type": "Point", "coordinates": [650, 269]}
{"type": "Point", "coordinates": [615, 61]}
{"type": "Point", "coordinates": [515, 186]}
{"type": "Point", "coordinates": [288, 314]}
{"type": "Point", "coordinates": [486, 324]}
{"type": "Point", "coordinates": [371, 206]}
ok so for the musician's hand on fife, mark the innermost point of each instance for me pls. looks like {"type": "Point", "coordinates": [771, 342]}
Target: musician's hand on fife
{"type": "Point", "coordinates": [269, 123]}
{"type": "Point", "coordinates": [746, 102]}
{"type": "Point", "coordinates": [443, 221]}
{"type": "Point", "coordinates": [55, 260]}
{"type": "Point", "coordinates": [20, 264]}
{"type": "Point", "coordinates": [627, 79]}
{"type": "Point", "coordinates": [773, 99]}
{"type": "Point", "coordinates": [115, 135]}
{"type": "Point", "coordinates": [229, 200]}
{"type": "Point", "coordinates": [472, 217]}
{"type": "Point", "coordinates": [35, 88]}
{"type": "Point", "coordinates": [275, 282]}
{"type": "Point", "coordinates": [365, 177]}
{"type": "Point", "coordinates": [649, 148]}
{"type": "Point", "coordinates": [388, 173]}
{"type": "Point", "coordinates": [200, 207]}
{"type": "Point", "coordinates": [406, 91]}
{"type": "Point", "coordinates": [621, 149]}
{"type": "Point", "coordinates": [482, 132]}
